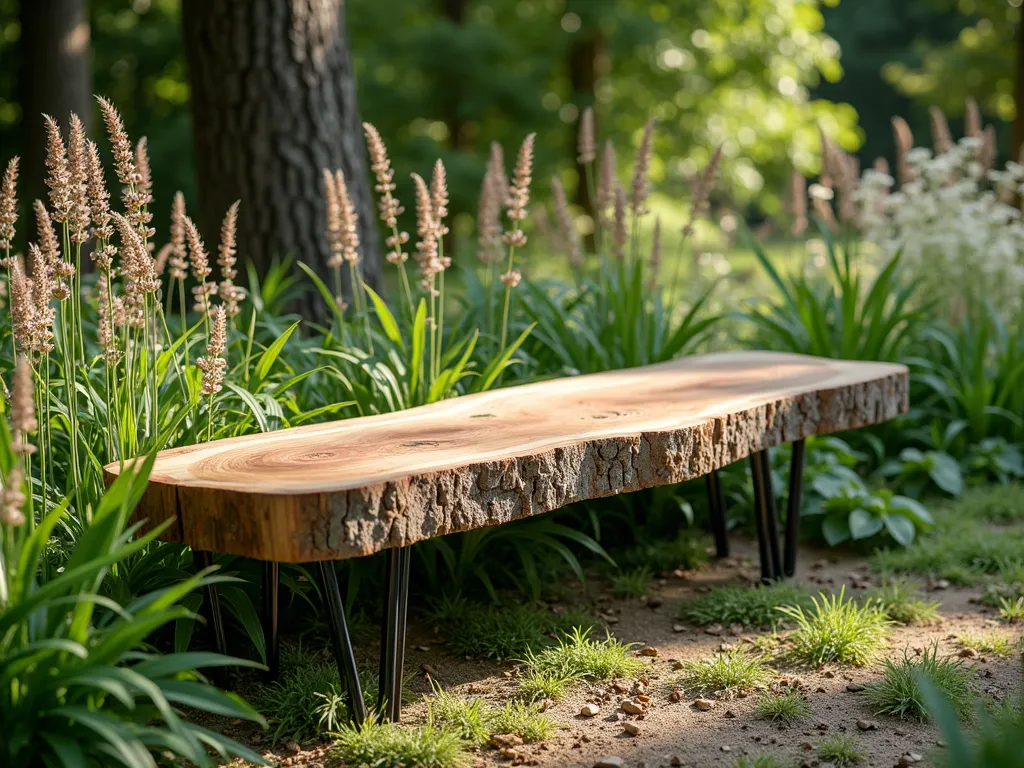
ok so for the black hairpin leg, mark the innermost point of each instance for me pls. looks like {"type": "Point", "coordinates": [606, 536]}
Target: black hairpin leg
{"type": "Point", "coordinates": [392, 641]}
{"type": "Point", "coordinates": [271, 580]}
{"type": "Point", "coordinates": [716, 507]}
{"type": "Point", "coordinates": [796, 483]}
{"type": "Point", "coordinates": [343, 654]}
{"type": "Point", "coordinates": [772, 516]}
{"type": "Point", "coordinates": [761, 519]}
{"type": "Point", "coordinates": [203, 560]}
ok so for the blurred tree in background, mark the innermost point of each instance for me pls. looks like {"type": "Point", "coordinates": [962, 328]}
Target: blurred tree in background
{"type": "Point", "coordinates": [446, 77]}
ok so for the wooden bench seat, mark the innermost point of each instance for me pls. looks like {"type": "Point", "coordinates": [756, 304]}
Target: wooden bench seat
{"type": "Point", "coordinates": [351, 488]}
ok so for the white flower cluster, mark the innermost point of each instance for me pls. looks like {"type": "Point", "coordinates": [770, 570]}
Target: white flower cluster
{"type": "Point", "coordinates": [956, 224]}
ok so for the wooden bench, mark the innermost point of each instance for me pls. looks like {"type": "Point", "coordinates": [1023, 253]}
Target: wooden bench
{"type": "Point", "coordinates": [351, 488]}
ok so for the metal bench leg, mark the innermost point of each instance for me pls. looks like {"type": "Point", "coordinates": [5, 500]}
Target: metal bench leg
{"type": "Point", "coordinates": [343, 655]}
{"type": "Point", "coordinates": [716, 506]}
{"type": "Point", "coordinates": [772, 515]}
{"type": "Point", "coordinates": [203, 560]}
{"type": "Point", "coordinates": [796, 484]}
{"type": "Point", "coordinates": [392, 643]}
{"type": "Point", "coordinates": [761, 519]}
{"type": "Point", "coordinates": [271, 581]}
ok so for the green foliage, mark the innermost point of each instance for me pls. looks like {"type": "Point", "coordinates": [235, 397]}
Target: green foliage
{"type": "Point", "coordinates": [475, 722]}
{"type": "Point", "coordinates": [537, 685]}
{"type": "Point", "coordinates": [994, 642]}
{"type": "Point", "coordinates": [79, 681]}
{"type": "Point", "coordinates": [994, 503]}
{"type": "Point", "coordinates": [686, 551]}
{"type": "Point", "coordinates": [306, 702]}
{"type": "Point", "coordinates": [994, 742]}
{"type": "Point", "coordinates": [1012, 611]}
{"type": "Point", "coordinates": [504, 631]}
{"type": "Point", "coordinates": [839, 314]}
{"type": "Point", "coordinates": [728, 674]}
{"type": "Point", "coordinates": [902, 602]}
{"type": "Point", "coordinates": [756, 606]}
{"type": "Point", "coordinates": [852, 512]}
{"type": "Point", "coordinates": [837, 630]}
{"type": "Point", "coordinates": [915, 470]}
{"type": "Point", "coordinates": [787, 707]}
{"type": "Point", "coordinates": [960, 551]}
{"type": "Point", "coordinates": [631, 583]}
{"type": "Point", "coordinates": [577, 657]}
{"type": "Point", "coordinates": [841, 750]}
{"type": "Point", "coordinates": [390, 744]}
{"type": "Point", "coordinates": [898, 693]}
{"type": "Point", "coordinates": [972, 376]}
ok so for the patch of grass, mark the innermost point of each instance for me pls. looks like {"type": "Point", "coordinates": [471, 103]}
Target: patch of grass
{"type": "Point", "coordinates": [687, 551]}
{"type": "Point", "coordinates": [475, 722]}
{"type": "Point", "coordinates": [840, 750]}
{"type": "Point", "coordinates": [555, 669]}
{"type": "Point", "coordinates": [577, 655]}
{"type": "Point", "coordinates": [1006, 584]}
{"type": "Point", "coordinates": [306, 702]}
{"type": "Point", "coordinates": [995, 503]}
{"type": "Point", "coordinates": [787, 707]}
{"type": "Point", "coordinates": [897, 694]}
{"type": "Point", "coordinates": [397, 746]}
{"type": "Point", "coordinates": [903, 602]}
{"type": "Point", "coordinates": [500, 632]}
{"type": "Point", "coordinates": [959, 551]}
{"type": "Point", "coordinates": [1012, 612]}
{"type": "Point", "coordinates": [726, 674]}
{"type": "Point", "coordinates": [763, 760]}
{"type": "Point", "coordinates": [536, 685]}
{"type": "Point", "coordinates": [994, 643]}
{"type": "Point", "coordinates": [524, 720]}
{"type": "Point", "coordinates": [752, 606]}
{"type": "Point", "coordinates": [766, 645]}
{"type": "Point", "coordinates": [632, 583]}
{"type": "Point", "coordinates": [837, 629]}
{"type": "Point", "coordinates": [469, 718]}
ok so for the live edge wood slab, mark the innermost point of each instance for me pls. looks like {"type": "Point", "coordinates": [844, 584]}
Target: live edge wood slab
{"type": "Point", "coordinates": [354, 487]}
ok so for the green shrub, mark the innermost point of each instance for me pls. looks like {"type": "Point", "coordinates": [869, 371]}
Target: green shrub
{"type": "Point", "coordinates": [840, 750]}
{"type": "Point", "coordinates": [726, 674]}
{"type": "Point", "coordinates": [752, 606]}
{"type": "Point", "coordinates": [787, 707]}
{"type": "Point", "coordinates": [390, 744]}
{"type": "Point", "coordinates": [901, 601]}
{"type": "Point", "coordinates": [837, 629]}
{"type": "Point", "coordinates": [898, 694]}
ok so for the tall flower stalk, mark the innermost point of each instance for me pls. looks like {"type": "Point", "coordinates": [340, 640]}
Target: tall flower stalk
{"type": "Point", "coordinates": [518, 198]}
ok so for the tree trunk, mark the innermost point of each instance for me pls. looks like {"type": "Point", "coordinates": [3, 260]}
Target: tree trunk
{"type": "Point", "coordinates": [273, 104]}
{"type": "Point", "coordinates": [56, 78]}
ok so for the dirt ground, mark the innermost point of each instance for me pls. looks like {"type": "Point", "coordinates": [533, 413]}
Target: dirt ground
{"type": "Point", "coordinates": [675, 733]}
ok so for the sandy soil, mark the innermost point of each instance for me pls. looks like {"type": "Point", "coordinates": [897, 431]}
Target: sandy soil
{"type": "Point", "coordinates": [675, 733]}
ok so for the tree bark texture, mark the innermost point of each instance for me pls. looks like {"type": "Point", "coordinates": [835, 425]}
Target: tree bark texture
{"type": "Point", "coordinates": [273, 104]}
{"type": "Point", "coordinates": [56, 78]}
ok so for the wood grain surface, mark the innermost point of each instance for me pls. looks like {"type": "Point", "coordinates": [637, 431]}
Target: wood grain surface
{"type": "Point", "coordinates": [353, 487]}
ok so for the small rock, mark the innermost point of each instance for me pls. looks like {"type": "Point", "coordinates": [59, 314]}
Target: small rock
{"type": "Point", "coordinates": [678, 628]}
{"type": "Point", "coordinates": [676, 695]}
{"type": "Point", "coordinates": [725, 748]}
{"type": "Point", "coordinates": [677, 665]}
{"type": "Point", "coordinates": [506, 740]}
{"type": "Point", "coordinates": [643, 698]}
{"type": "Point", "coordinates": [705, 704]}
{"type": "Point", "coordinates": [424, 648]}
{"type": "Point", "coordinates": [590, 710]}
{"type": "Point", "coordinates": [654, 602]}
{"type": "Point", "coordinates": [631, 728]}
{"type": "Point", "coordinates": [675, 762]}
{"type": "Point", "coordinates": [610, 762]}
{"type": "Point", "coordinates": [829, 674]}
{"type": "Point", "coordinates": [294, 748]}
{"type": "Point", "coordinates": [631, 707]}
{"type": "Point", "coordinates": [942, 584]}
{"type": "Point", "coordinates": [509, 753]}
{"type": "Point", "coordinates": [648, 651]}
{"type": "Point", "coordinates": [909, 758]}
{"type": "Point", "coordinates": [867, 725]}
{"type": "Point", "coordinates": [714, 630]}
{"type": "Point", "coordinates": [854, 688]}
{"type": "Point", "coordinates": [730, 714]}
{"type": "Point", "coordinates": [940, 743]}
{"type": "Point", "coordinates": [428, 670]}
{"type": "Point", "coordinates": [735, 630]}
{"type": "Point", "coordinates": [726, 647]}
{"type": "Point", "coordinates": [967, 653]}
